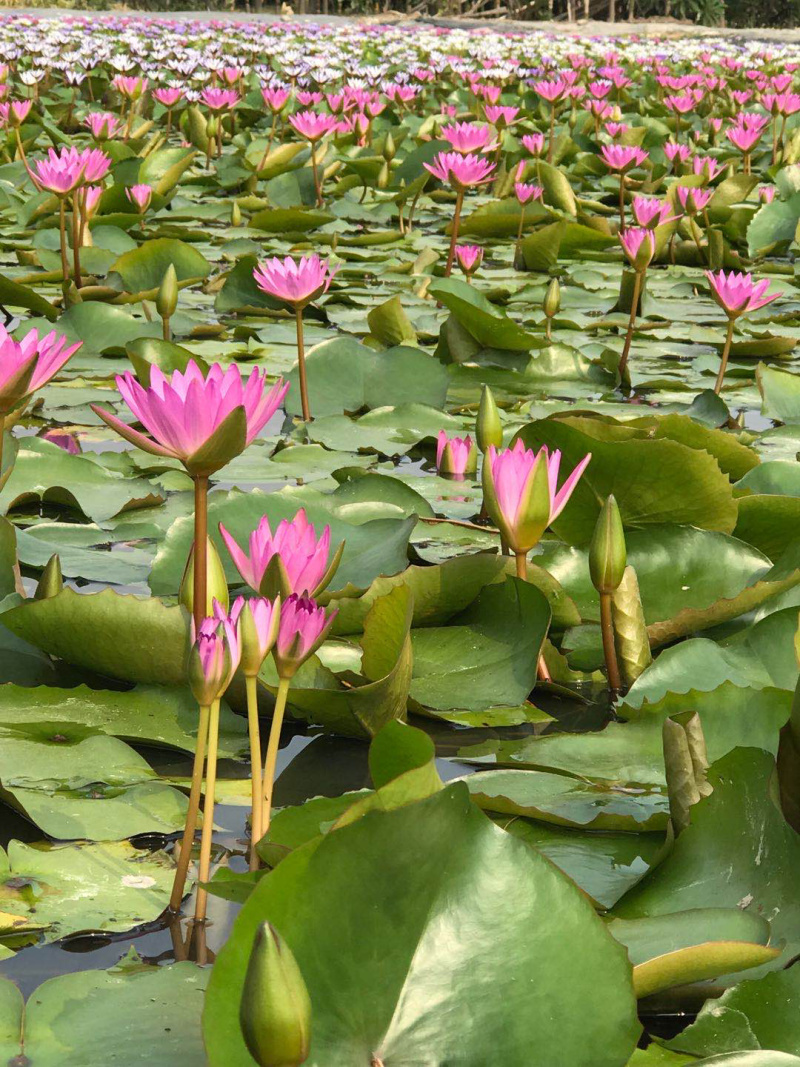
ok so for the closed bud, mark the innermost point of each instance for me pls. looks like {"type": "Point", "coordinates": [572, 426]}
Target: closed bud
{"type": "Point", "coordinates": [552, 299]}
{"type": "Point", "coordinates": [275, 1010]}
{"type": "Point", "coordinates": [51, 582]}
{"type": "Point", "coordinates": [167, 295]}
{"type": "Point", "coordinates": [607, 554]}
{"type": "Point", "coordinates": [389, 148]}
{"type": "Point", "coordinates": [488, 427]}
{"type": "Point", "coordinates": [383, 176]}
{"type": "Point", "coordinates": [258, 621]}
{"type": "Point", "coordinates": [236, 214]}
{"type": "Point", "coordinates": [217, 583]}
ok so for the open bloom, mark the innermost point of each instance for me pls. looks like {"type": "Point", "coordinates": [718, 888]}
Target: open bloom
{"type": "Point", "coordinates": [526, 192]}
{"type": "Point", "coordinates": [219, 100]}
{"type": "Point", "coordinates": [140, 196]}
{"type": "Point", "coordinates": [297, 281]}
{"type": "Point", "coordinates": [27, 365]}
{"type": "Point", "coordinates": [60, 173]}
{"type": "Point", "coordinates": [455, 456]}
{"type": "Point", "coordinates": [103, 124]}
{"type": "Point", "coordinates": [650, 212]}
{"type": "Point", "coordinates": [521, 494]}
{"type": "Point", "coordinates": [311, 125]}
{"type": "Point", "coordinates": [469, 258]}
{"type": "Point", "coordinates": [461, 171]}
{"type": "Point", "coordinates": [737, 293]}
{"type": "Point", "coordinates": [677, 152]}
{"type": "Point", "coordinates": [257, 620]}
{"type": "Point", "coordinates": [275, 99]}
{"type": "Point", "coordinates": [639, 245]}
{"type": "Point", "coordinates": [301, 558]}
{"type": "Point", "coordinates": [694, 201]}
{"type": "Point", "coordinates": [130, 86]}
{"type": "Point", "coordinates": [622, 157]}
{"type": "Point", "coordinates": [468, 137]}
{"type": "Point", "coordinates": [500, 116]}
{"type": "Point", "coordinates": [169, 96]}
{"type": "Point", "coordinates": [192, 418]}
{"type": "Point", "coordinates": [533, 143]}
{"type": "Point", "coordinates": [214, 656]}
{"type": "Point", "coordinates": [745, 138]}
{"type": "Point", "coordinates": [303, 627]}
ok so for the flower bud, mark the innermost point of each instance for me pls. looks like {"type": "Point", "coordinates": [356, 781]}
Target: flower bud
{"type": "Point", "coordinates": [167, 296]}
{"type": "Point", "coordinates": [51, 582]}
{"type": "Point", "coordinates": [236, 214]}
{"type": "Point", "coordinates": [275, 1010]}
{"type": "Point", "coordinates": [389, 148]}
{"type": "Point", "coordinates": [217, 583]}
{"type": "Point", "coordinates": [552, 299]}
{"type": "Point", "coordinates": [488, 427]}
{"type": "Point", "coordinates": [607, 554]}
{"type": "Point", "coordinates": [258, 630]}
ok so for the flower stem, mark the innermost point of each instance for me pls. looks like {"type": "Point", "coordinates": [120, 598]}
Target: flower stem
{"type": "Point", "coordinates": [317, 186]}
{"type": "Point", "coordinates": [552, 132]}
{"type": "Point", "coordinates": [76, 242]}
{"type": "Point", "coordinates": [191, 813]}
{"type": "Point", "coordinates": [301, 365]}
{"type": "Point", "coordinates": [200, 588]}
{"type": "Point", "coordinates": [62, 229]}
{"type": "Point", "coordinates": [696, 235]}
{"type": "Point", "coordinates": [521, 560]}
{"type": "Point", "coordinates": [609, 649]}
{"type": "Point", "coordinates": [255, 766]}
{"type": "Point", "coordinates": [272, 752]}
{"type": "Point", "coordinates": [637, 288]}
{"type": "Point", "coordinates": [519, 234]}
{"type": "Point", "coordinates": [726, 351]}
{"type": "Point", "coordinates": [621, 202]}
{"type": "Point", "coordinates": [454, 237]}
{"type": "Point", "coordinates": [2, 439]}
{"type": "Point", "coordinates": [204, 871]}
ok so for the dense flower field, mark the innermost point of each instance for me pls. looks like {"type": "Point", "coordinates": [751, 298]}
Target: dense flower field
{"type": "Point", "coordinates": [399, 553]}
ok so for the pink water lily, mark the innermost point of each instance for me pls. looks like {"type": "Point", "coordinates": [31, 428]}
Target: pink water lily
{"type": "Point", "coordinates": [526, 192]}
{"type": "Point", "coordinates": [455, 456]}
{"type": "Point", "coordinates": [621, 157]}
{"type": "Point", "coordinates": [304, 557]}
{"type": "Point", "coordinates": [169, 96]}
{"type": "Point", "coordinates": [140, 196]}
{"type": "Point", "coordinates": [185, 412]}
{"type": "Point", "coordinates": [469, 258]}
{"type": "Point", "coordinates": [311, 125]}
{"type": "Point", "coordinates": [219, 100]}
{"type": "Point", "coordinates": [461, 171]}
{"type": "Point", "coordinates": [693, 201]}
{"type": "Point", "coordinates": [521, 492]}
{"type": "Point", "coordinates": [214, 656]}
{"type": "Point", "coordinates": [468, 137]}
{"type": "Point", "coordinates": [737, 293]}
{"type": "Point", "coordinates": [304, 626]}
{"type": "Point", "coordinates": [257, 620]}
{"type": "Point", "coordinates": [650, 212]}
{"type": "Point", "coordinates": [296, 281]}
{"type": "Point", "coordinates": [533, 143]}
{"type": "Point", "coordinates": [60, 172]}
{"type": "Point", "coordinates": [103, 124]}
{"type": "Point", "coordinates": [639, 245]}
{"type": "Point", "coordinates": [27, 365]}
{"type": "Point", "coordinates": [275, 99]}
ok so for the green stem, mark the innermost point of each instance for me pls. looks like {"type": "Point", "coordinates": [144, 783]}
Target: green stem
{"type": "Point", "coordinates": [251, 684]}
{"type": "Point", "coordinates": [191, 813]}
{"type": "Point", "coordinates": [621, 202]}
{"type": "Point", "coordinates": [454, 238]}
{"type": "Point", "coordinates": [552, 132]}
{"type": "Point", "coordinates": [637, 288]}
{"type": "Point", "coordinates": [301, 365]}
{"type": "Point", "coordinates": [272, 752]}
{"type": "Point", "coordinates": [518, 242]}
{"type": "Point", "coordinates": [204, 871]}
{"type": "Point", "coordinates": [62, 229]}
{"type": "Point", "coordinates": [726, 351]}
{"type": "Point", "coordinates": [317, 186]}
{"type": "Point", "coordinates": [521, 561]}
{"type": "Point", "coordinates": [696, 235]}
{"type": "Point", "coordinates": [200, 588]}
{"type": "Point", "coordinates": [609, 648]}
{"type": "Point", "coordinates": [76, 240]}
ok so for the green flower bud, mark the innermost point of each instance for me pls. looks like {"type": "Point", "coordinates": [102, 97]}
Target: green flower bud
{"type": "Point", "coordinates": [607, 554]}
{"type": "Point", "coordinates": [51, 582]}
{"type": "Point", "coordinates": [552, 299]}
{"type": "Point", "coordinates": [488, 427]}
{"type": "Point", "coordinates": [384, 176]}
{"type": "Point", "coordinates": [217, 582]}
{"type": "Point", "coordinates": [236, 214]}
{"type": "Point", "coordinates": [389, 148]}
{"type": "Point", "coordinates": [167, 296]}
{"type": "Point", "coordinates": [275, 1011]}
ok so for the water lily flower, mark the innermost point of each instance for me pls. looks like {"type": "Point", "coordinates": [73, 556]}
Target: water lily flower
{"type": "Point", "coordinates": [766, 193]}
{"type": "Point", "coordinates": [521, 494]}
{"type": "Point", "coordinates": [639, 245]}
{"type": "Point", "coordinates": [202, 421]}
{"type": "Point", "coordinates": [303, 627]}
{"type": "Point", "coordinates": [463, 172]}
{"type": "Point", "coordinates": [27, 365]}
{"type": "Point", "coordinates": [103, 124]}
{"type": "Point", "coordinates": [469, 258]}
{"type": "Point", "coordinates": [622, 158]}
{"type": "Point", "coordinates": [467, 138]}
{"type": "Point", "coordinates": [219, 100]}
{"type": "Point", "coordinates": [533, 143]}
{"type": "Point", "coordinates": [140, 196]}
{"type": "Point", "coordinates": [694, 200]}
{"type": "Point", "coordinates": [213, 657]}
{"type": "Point", "coordinates": [292, 560]}
{"type": "Point", "coordinates": [168, 96]}
{"type": "Point", "coordinates": [526, 192]}
{"type": "Point", "coordinates": [650, 212]}
{"type": "Point", "coordinates": [455, 456]}
{"type": "Point", "coordinates": [312, 125]}
{"type": "Point", "coordinates": [737, 294]}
